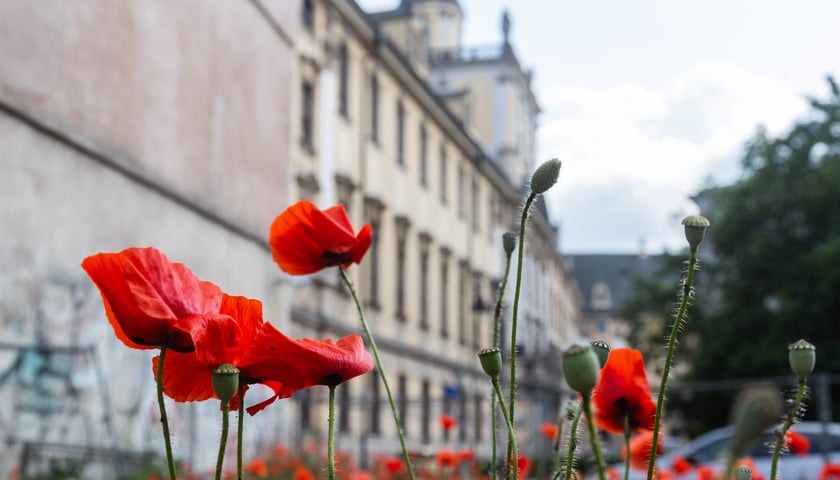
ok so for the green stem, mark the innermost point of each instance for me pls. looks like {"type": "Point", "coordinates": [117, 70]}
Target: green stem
{"type": "Point", "coordinates": [223, 440]}
{"type": "Point", "coordinates": [513, 460]}
{"type": "Point", "coordinates": [379, 367]}
{"type": "Point", "coordinates": [780, 438]}
{"type": "Point", "coordinates": [331, 434]}
{"type": "Point", "coordinates": [570, 460]}
{"type": "Point", "coordinates": [517, 291]}
{"type": "Point", "coordinates": [593, 437]}
{"type": "Point", "coordinates": [627, 445]}
{"type": "Point", "coordinates": [494, 473]}
{"type": "Point", "coordinates": [497, 314]}
{"type": "Point", "coordinates": [239, 430]}
{"type": "Point", "coordinates": [556, 463]}
{"type": "Point", "coordinates": [163, 419]}
{"type": "Point", "coordinates": [669, 358]}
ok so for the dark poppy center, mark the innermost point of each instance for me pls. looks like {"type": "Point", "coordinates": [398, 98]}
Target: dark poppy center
{"type": "Point", "coordinates": [332, 380]}
{"type": "Point", "coordinates": [334, 258]}
{"type": "Point", "coordinates": [623, 406]}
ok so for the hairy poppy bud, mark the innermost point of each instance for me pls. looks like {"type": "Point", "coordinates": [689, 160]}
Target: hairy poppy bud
{"type": "Point", "coordinates": [545, 176]}
{"type": "Point", "coordinates": [602, 349]}
{"type": "Point", "coordinates": [509, 242]}
{"type": "Point", "coordinates": [755, 410]}
{"type": "Point", "coordinates": [581, 368]}
{"type": "Point", "coordinates": [491, 361]}
{"type": "Point", "coordinates": [743, 472]}
{"type": "Point", "coordinates": [802, 356]}
{"type": "Point", "coordinates": [225, 382]}
{"type": "Point", "coordinates": [695, 229]}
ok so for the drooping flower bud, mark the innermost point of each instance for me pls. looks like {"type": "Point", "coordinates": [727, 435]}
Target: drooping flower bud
{"type": "Point", "coordinates": [491, 361]}
{"type": "Point", "coordinates": [545, 176]}
{"type": "Point", "coordinates": [581, 368]}
{"type": "Point", "coordinates": [743, 472]}
{"type": "Point", "coordinates": [695, 229]}
{"type": "Point", "coordinates": [802, 356]}
{"type": "Point", "coordinates": [602, 349]}
{"type": "Point", "coordinates": [225, 382]}
{"type": "Point", "coordinates": [509, 242]}
{"type": "Point", "coordinates": [755, 409]}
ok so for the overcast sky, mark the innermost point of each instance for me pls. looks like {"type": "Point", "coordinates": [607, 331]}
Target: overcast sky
{"type": "Point", "coordinates": [647, 101]}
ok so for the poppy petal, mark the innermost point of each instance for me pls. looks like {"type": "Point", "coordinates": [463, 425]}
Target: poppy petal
{"type": "Point", "coordinates": [210, 336]}
{"type": "Point", "coordinates": [185, 379]}
{"type": "Point", "coordinates": [280, 391]}
{"type": "Point", "coordinates": [623, 389]}
{"type": "Point", "coordinates": [363, 241]}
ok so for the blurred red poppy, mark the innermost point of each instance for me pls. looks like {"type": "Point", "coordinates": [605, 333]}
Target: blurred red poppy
{"type": "Point", "coordinates": [549, 430]}
{"type": "Point", "coordinates": [640, 450]}
{"type": "Point", "coordinates": [188, 377]}
{"type": "Point", "coordinates": [448, 422]}
{"type": "Point", "coordinates": [680, 466]}
{"type": "Point", "coordinates": [446, 457]}
{"type": "Point", "coordinates": [303, 363]}
{"type": "Point", "coordinates": [830, 471]}
{"type": "Point", "coordinates": [305, 239]}
{"type": "Point", "coordinates": [258, 467]}
{"type": "Point", "coordinates": [152, 302]}
{"type": "Point", "coordinates": [466, 455]}
{"type": "Point", "coordinates": [623, 390]}
{"type": "Point", "coordinates": [797, 443]}
{"type": "Point", "coordinates": [394, 464]}
{"type": "Point", "coordinates": [302, 473]}
{"type": "Point", "coordinates": [705, 472]}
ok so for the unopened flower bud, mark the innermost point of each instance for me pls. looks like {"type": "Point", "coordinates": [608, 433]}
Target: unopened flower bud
{"type": "Point", "coordinates": [225, 382]}
{"type": "Point", "coordinates": [802, 357]}
{"type": "Point", "coordinates": [695, 229]}
{"type": "Point", "coordinates": [602, 349]}
{"type": "Point", "coordinates": [509, 242]}
{"type": "Point", "coordinates": [755, 410]}
{"type": "Point", "coordinates": [743, 472]}
{"type": "Point", "coordinates": [491, 361]}
{"type": "Point", "coordinates": [581, 368]}
{"type": "Point", "coordinates": [545, 176]}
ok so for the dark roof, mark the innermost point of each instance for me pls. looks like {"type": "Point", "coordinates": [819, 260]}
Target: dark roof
{"type": "Point", "coordinates": [618, 272]}
{"type": "Point", "coordinates": [403, 9]}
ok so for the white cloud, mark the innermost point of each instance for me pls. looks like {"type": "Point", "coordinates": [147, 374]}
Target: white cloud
{"type": "Point", "coordinates": [632, 155]}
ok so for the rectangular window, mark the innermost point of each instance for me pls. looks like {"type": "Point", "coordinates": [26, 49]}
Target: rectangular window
{"type": "Point", "coordinates": [479, 417]}
{"type": "Point", "coordinates": [402, 231]}
{"type": "Point", "coordinates": [307, 116]}
{"type": "Point", "coordinates": [307, 14]}
{"type": "Point", "coordinates": [443, 174]}
{"type": "Point", "coordinates": [400, 134]}
{"type": "Point", "coordinates": [344, 408]}
{"type": "Point", "coordinates": [424, 281]}
{"type": "Point", "coordinates": [461, 193]}
{"type": "Point", "coordinates": [424, 147]}
{"type": "Point", "coordinates": [343, 80]}
{"type": "Point", "coordinates": [402, 392]}
{"type": "Point", "coordinates": [374, 108]}
{"type": "Point", "coordinates": [426, 415]}
{"type": "Point", "coordinates": [476, 310]}
{"type": "Point", "coordinates": [444, 295]}
{"type": "Point", "coordinates": [476, 219]}
{"type": "Point", "coordinates": [374, 402]}
{"type": "Point", "coordinates": [305, 399]}
{"type": "Point", "coordinates": [462, 425]}
{"type": "Point", "coordinates": [463, 303]}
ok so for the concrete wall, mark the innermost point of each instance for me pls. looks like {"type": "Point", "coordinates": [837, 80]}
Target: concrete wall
{"type": "Point", "coordinates": [132, 124]}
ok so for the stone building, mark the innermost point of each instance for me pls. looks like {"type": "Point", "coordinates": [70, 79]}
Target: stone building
{"type": "Point", "coordinates": [431, 145]}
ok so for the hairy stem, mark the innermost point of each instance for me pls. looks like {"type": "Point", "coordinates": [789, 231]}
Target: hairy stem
{"type": "Point", "coordinates": [627, 445]}
{"type": "Point", "coordinates": [593, 437]}
{"type": "Point", "coordinates": [223, 440]}
{"type": "Point", "coordinates": [331, 434]}
{"type": "Point", "coordinates": [780, 437]}
{"type": "Point", "coordinates": [570, 460]}
{"type": "Point", "coordinates": [372, 343]}
{"type": "Point", "coordinates": [513, 463]}
{"type": "Point", "coordinates": [239, 429]}
{"type": "Point", "coordinates": [164, 421]}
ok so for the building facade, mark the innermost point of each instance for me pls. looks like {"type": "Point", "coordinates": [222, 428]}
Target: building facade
{"type": "Point", "coordinates": [375, 128]}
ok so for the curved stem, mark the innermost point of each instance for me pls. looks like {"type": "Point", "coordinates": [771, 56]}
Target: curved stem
{"type": "Point", "coordinates": [494, 474]}
{"type": "Point", "coordinates": [627, 445]}
{"type": "Point", "coordinates": [517, 291]}
{"type": "Point", "coordinates": [381, 370]}
{"type": "Point", "coordinates": [497, 314]}
{"type": "Point", "coordinates": [240, 427]}
{"type": "Point", "coordinates": [780, 438]}
{"type": "Point", "coordinates": [669, 358]}
{"type": "Point", "coordinates": [513, 460]}
{"type": "Point", "coordinates": [331, 434]}
{"type": "Point", "coordinates": [223, 440]}
{"type": "Point", "coordinates": [164, 421]}
{"type": "Point", "coordinates": [593, 438]}
{"type": "Point", "coordinates": [555, 465]}
{"type": "Point", "coordinates": [570, 460]}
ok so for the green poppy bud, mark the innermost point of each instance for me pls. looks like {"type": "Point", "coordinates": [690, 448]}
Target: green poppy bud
{"type": "Point", "coordinates": [602, 349]}
{"type": "Point", "coordinates": [802, 356]}
{"type": "Point", "coordinates": [225, 382]}
{"type": "Point", "coordinates": [491, 361]}
{"type": "Point", "coordinates": [695, 229]}
{"type": "Point", "coordinates": [743, 472]}
{"type": "Point", "coordinates": [509, 242]}
{"type": "Point", "coordinates": [545, 176]}
{"type": "Point", "coordinates": [581, 368]}
{"type": "Point", "coordinates": [755, 409]}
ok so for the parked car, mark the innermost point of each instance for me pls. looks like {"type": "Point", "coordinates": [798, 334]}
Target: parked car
{"type": "Point", "coordinates": [711, 450]}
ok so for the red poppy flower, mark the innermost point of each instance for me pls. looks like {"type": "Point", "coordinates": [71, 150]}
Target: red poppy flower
{"type": "Point", "coordinates": [305, 239]}
{"type": "Point", "coordinates": [258, 467]}
{"type": "Point", "coordinates": [523, 466]}
{"type": "Point", "coordinates": [549, 430]}
{"type": "Point", "coordinates": [640, 450]}
{"type": "Point", "coordinates": [466, 455]}
{"type": "Point", "coordinates": [394, 465]}
{"type": "Point", "coordinates": [448, 422]}
{"type": "Point", "coordinates": [152, 302]}
{"type": "Point", "coordinates": [303, 363]}
{"type": "Point", "coordinates": [623, 390]}
{"type": "Point", "coordinates": [797, 443]}
{"type": "Point", "coordinates": [188, 377]}
{"type": "Point", "coordinates": [446, 457]}
{"type": "Point", "coordinates": [705, 472]}
{"type": "Point", "coordinates": [302, 473]}
{"type": "Point", "coordinates": [680, 466]}
{"type": "Point", "coordinates": [830, 471]}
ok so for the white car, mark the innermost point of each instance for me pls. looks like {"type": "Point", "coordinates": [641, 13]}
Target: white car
{"type": "Point", "coordinates": [711, 449]}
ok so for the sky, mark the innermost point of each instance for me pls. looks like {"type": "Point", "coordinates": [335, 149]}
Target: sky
{"type": "Point", "coordinates": [647, 102]}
